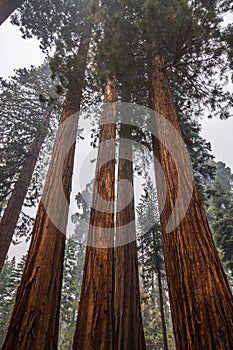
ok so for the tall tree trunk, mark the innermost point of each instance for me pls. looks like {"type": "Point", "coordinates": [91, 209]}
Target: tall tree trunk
{"type": "Point", "coordinates": [128, 330]}
{"type": "Point", "coordinates": [94, 328]}
{"type": "Point", "coordinates": [35, 320]}
{"type": "Point", "coordinates": [7, 7]}
{"type": "Point", "coordinates": [15, 203]}
{"type": "Point", "coordinates": [201, 300]}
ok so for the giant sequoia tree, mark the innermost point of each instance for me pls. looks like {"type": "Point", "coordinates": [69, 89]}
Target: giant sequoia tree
{"type": "Point", "coordinates": [94, 327]}
{"type": "Point", "coordinates": [193, 290]}
{"type": "Point", "coordinates": [196, 280]}
{"type": "Point", "coordinates": [35, 318]}
{"type": "Point", "coordinates": [127, 309]}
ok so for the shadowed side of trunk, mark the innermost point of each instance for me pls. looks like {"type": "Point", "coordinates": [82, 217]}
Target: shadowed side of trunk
{"type": "Point", "coordinates": [201, 301]}
{"type": "Point", "coordinates": [35, 318]}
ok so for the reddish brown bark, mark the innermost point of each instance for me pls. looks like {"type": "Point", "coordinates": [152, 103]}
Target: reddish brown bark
{"type": "Point", "coordinates": [201, 301]}
{"type": "Point", "coordinates": [14, 206]}
{"type": "Point", "coordinates": [94, 328]}
{"type": "Point", "coordinates": [35, 318]}
{"type": "Point", "coordinates": [128, 328]}
{"type": "Point", "coordinates": [7, 7]}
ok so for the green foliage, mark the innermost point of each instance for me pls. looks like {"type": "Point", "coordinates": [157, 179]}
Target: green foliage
{"type": "Point", "coordinates": [21, 115]}
{"type": "Point", "coordinates": [73, 270]}
{"type": "Point", "coordinates": [187, 34]}
{"type": "Point", "coordinates": [152, 270]}
{"type": "Point", "coordinates": [9, 281]}
{"type": "Point", "coordinates": [228, 35]}
{"type": "Point", "coordinates": [72, 279]}
{"type": "Point", "coordinates": [59, 25]}
{"type": "Point", "coordinates": [220, 212]}
{"type": "Point", "coordinates": [190, 38]}
{"type": "Point", "coordinates": [199, 151]}
{"type": "Point", "coordinates": [25, 100]}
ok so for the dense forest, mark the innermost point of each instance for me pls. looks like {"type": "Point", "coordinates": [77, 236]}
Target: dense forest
{"type": "Point", "coordinates": [104, 172]}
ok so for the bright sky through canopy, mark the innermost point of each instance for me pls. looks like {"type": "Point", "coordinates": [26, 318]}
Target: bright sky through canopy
{"type": "Point", "coordinates": [19, 53]}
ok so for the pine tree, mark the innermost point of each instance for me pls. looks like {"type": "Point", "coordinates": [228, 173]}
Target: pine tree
{"type": "Point", "coordinates": [25, 100]}
{"type": "Point", "coordinates": [25, 140]}
{"type": "Point", "coordinates": [72, 278]}
{"type": "Point", "coordinates": [152, 270]}
{"type": "Point", "coordinates": [73, 269]}
{"type": "Point", "coordinates": [9, 281]}
{"type": "Point", "coordinates": [15, 202]}
{"type": "Point", "coordinates": [7, 291]}
{"type": "Point", "coordinates": [220, 215]}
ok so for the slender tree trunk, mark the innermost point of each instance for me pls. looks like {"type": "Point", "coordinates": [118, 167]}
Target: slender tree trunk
{"type": "Point", "coordinates": [7, 7]}
{"type": "Point", "coordinates": [15, 203]}
{"type": "Point", "coordinates": [35, 319]}
{"type": "Point", "coordinates": [201, 300]}
{"type": "Point", "coordinates": [161, 301]}
{"type": "Point", "coordinates": [127, 307]}
{"type": "Point", "coordinates": [94, 328]}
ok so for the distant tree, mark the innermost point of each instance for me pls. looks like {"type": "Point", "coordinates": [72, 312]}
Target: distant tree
{"type": "Point", "coordinates": [7, 292]}
{"type": "Point", "coordinates": [153, 274]}
{"type": "Point", "coordinates": [26, 119]}
{"type": "Point", "coordinates": [9, 281]}
{"type": "Point", "coordinates": [73, 269]}
{"type": "Point", "coordinates": [25, 100]}
{"type": "Point", "coordinates": [199, 151]}
{"type": "Point", "coordinates": [220, 211]}
{"type": "Point", "coordinates": [72, 279]}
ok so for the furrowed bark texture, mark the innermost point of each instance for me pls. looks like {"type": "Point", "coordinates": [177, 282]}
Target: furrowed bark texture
{"type": "Point", "coordinates": [201, 301]}
{"type": "Point", "coordinates": [94, 328]}
{"type": "Point", "coordinates": [14, 206]}
{"type": "Point", "coordinates": [7, 7]}
{"type": "Point", "coordinates": [35, 319]}
{"type": "Point", "coordinates": [128, 328]}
